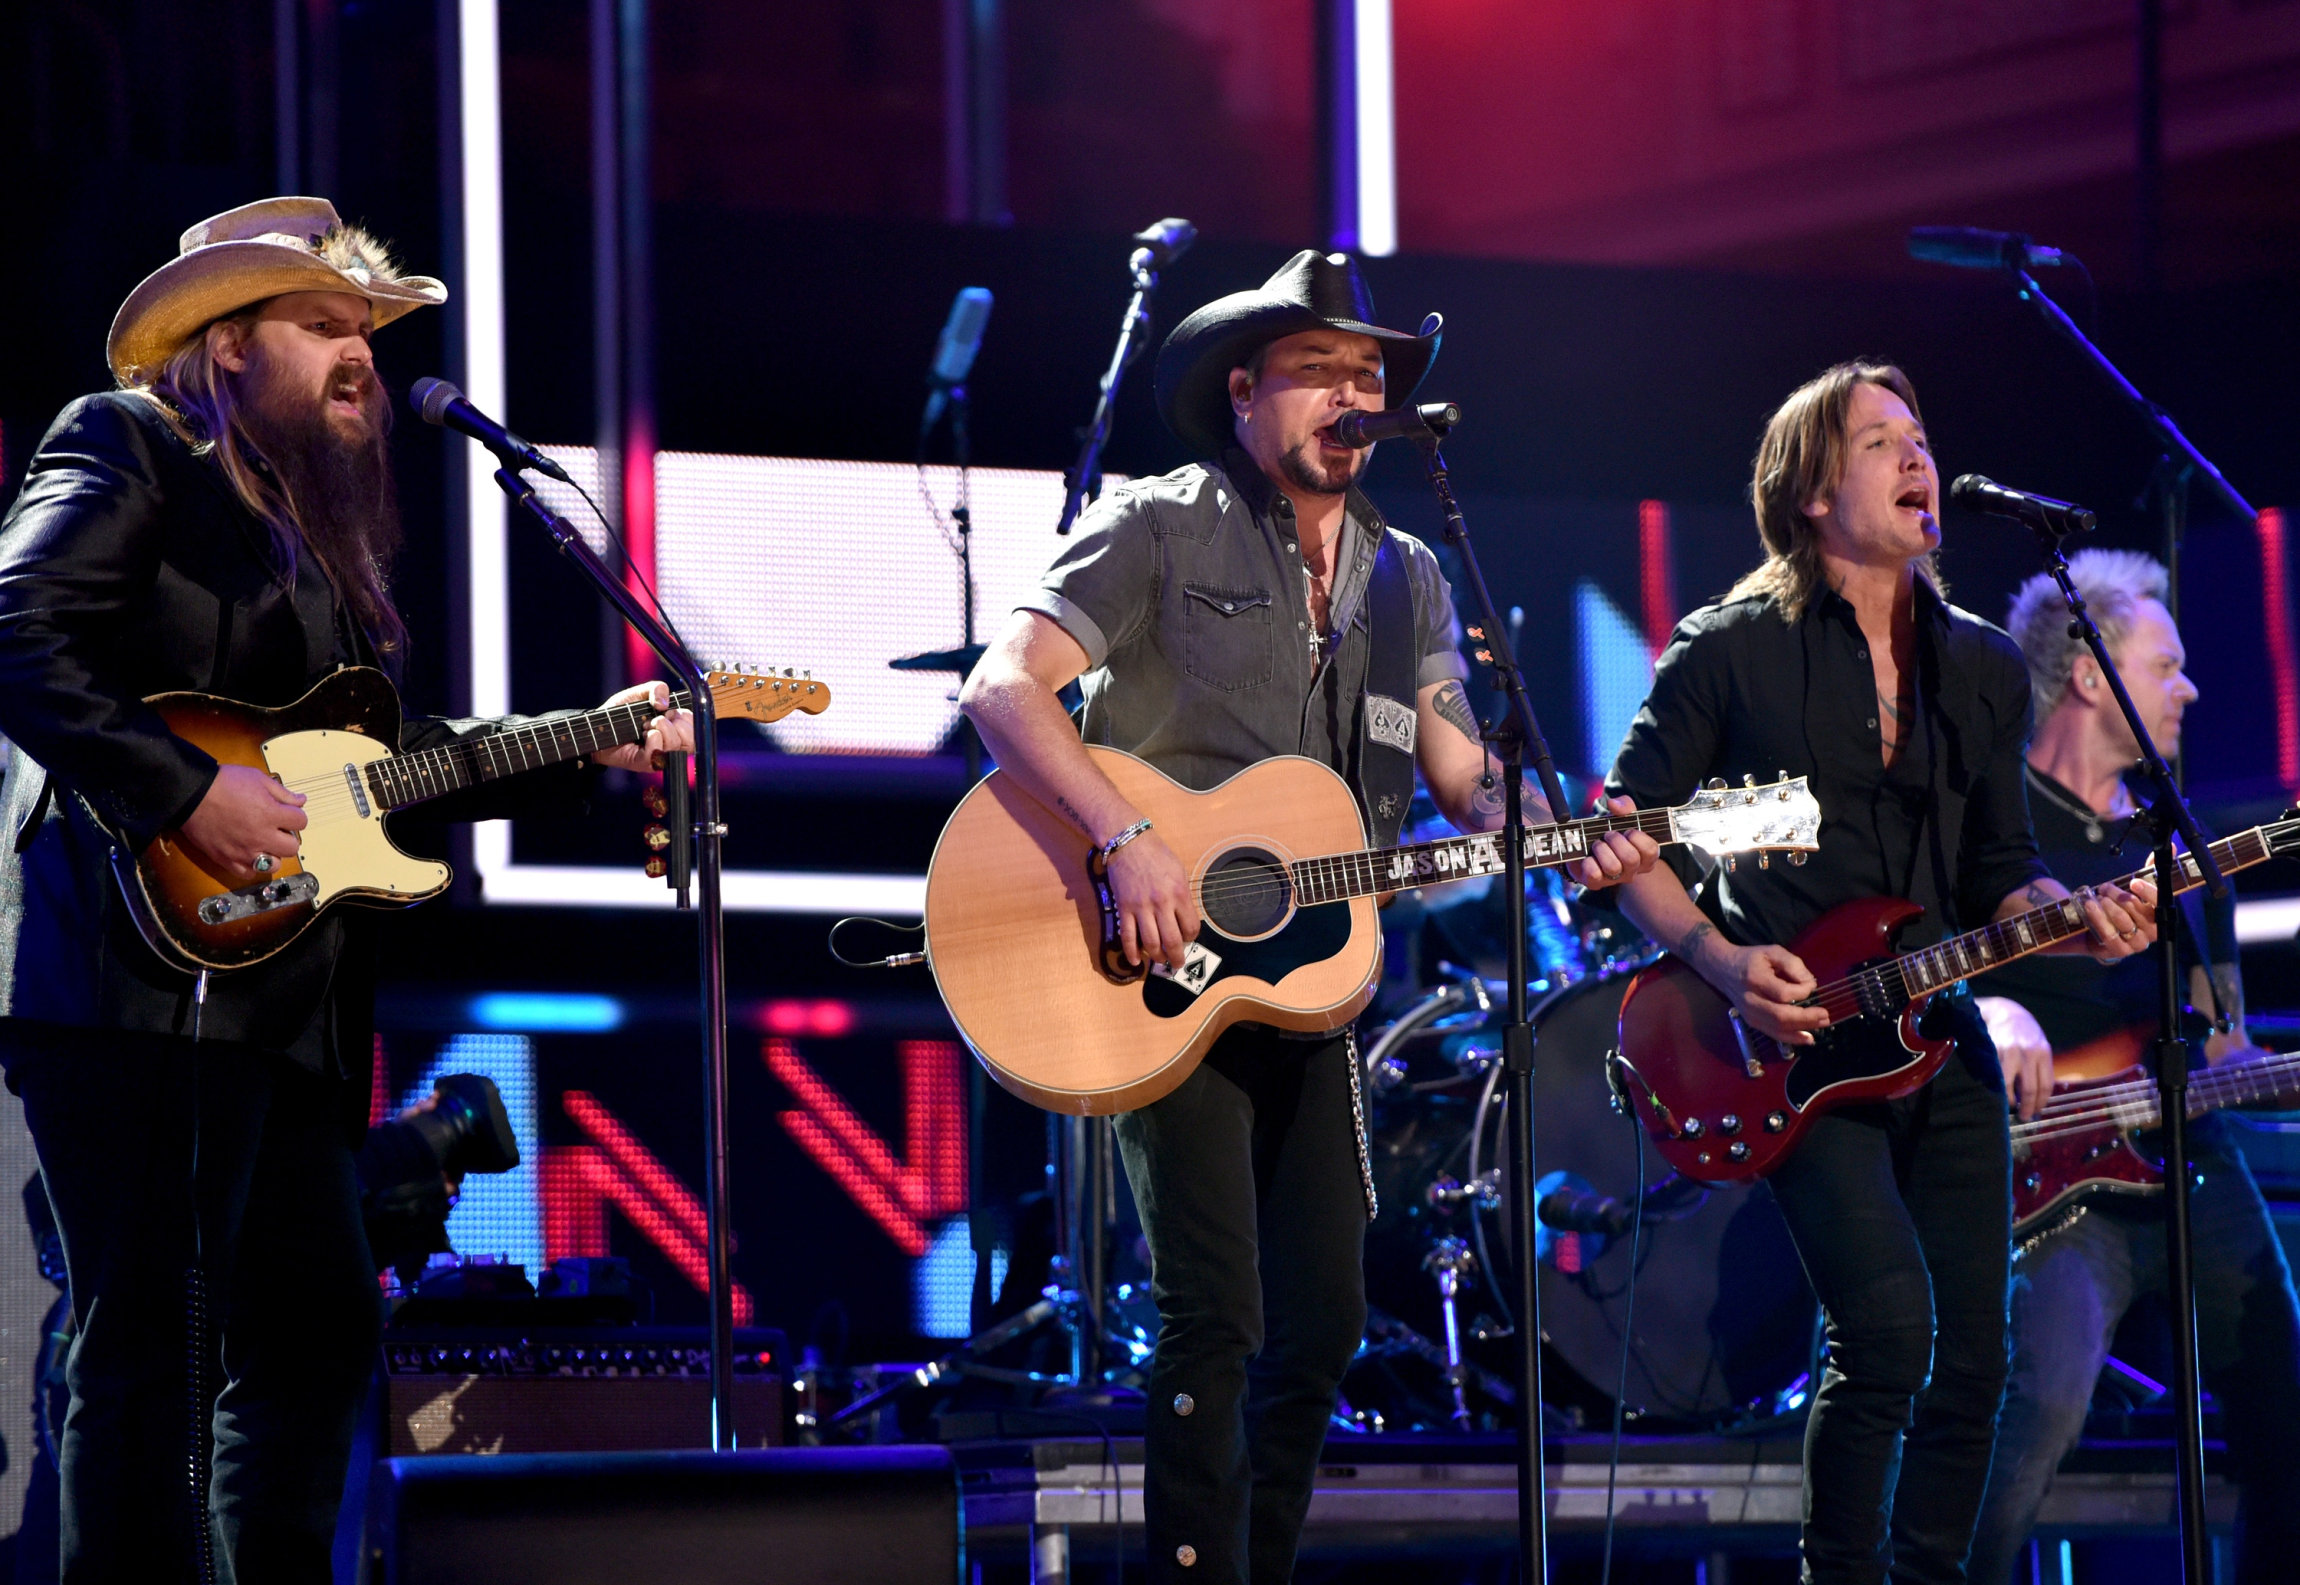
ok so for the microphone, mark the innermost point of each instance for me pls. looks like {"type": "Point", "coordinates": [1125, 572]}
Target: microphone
{"type": "Point", "coordinates": [1358, 428]}
{"type": "Point", "coordinates": [1164, 242]}
{"type": "Point", "coordinates": [2040, 512]}
{"type": "Point", "coordinates": [1979, 250]}
{"type": "Point", "coordinates": [954, 354]}
{"type": "Point", "coordinates": [437, 402]}
{"type": "Point", "coordinates": [1584, 1211]}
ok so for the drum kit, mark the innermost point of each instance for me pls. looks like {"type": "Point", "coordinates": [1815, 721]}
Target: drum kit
{"type": "Point", "coordinates": [1726, 1328]}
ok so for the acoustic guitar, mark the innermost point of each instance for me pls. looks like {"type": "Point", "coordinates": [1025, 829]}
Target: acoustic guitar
{"type": "Point", "coordinates": [1022, 936]}
{"type": "Point", "coordinates": [1726, 1104]}
{"type": "Point", "coordinates": [337, 745]}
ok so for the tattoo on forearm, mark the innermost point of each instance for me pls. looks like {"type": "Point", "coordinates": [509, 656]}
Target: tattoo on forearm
{"type": "Point", "coordinates": [2036, 895]}
{"type": "Point", "coordinates": [1486, 798]}
{"type": "Point", "coordinates": [1076, 818]}
{"type": "Point", "coordinates": [1452, 704]}
{"type": "Point", "coordinates": [1689, 948]}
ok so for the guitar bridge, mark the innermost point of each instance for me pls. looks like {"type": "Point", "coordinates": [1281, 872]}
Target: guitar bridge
{"type": "Point", "coordinates": [283, 892]}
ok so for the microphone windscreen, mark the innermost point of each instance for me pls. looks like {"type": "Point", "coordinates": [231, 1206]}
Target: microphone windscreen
{"type": "Point", "coordinates": [431, 398]}
{"type": "Point", "coordinates": [1970, 487]}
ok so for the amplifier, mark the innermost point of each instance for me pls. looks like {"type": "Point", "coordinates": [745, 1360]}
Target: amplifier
{"type": "Point", "coordinates": [571, 1390]}
{"type": "Point", "coordinates": [824, 1516]}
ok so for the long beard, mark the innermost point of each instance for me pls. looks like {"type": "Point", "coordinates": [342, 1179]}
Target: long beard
{"type": "Point", "coordinates": [338, 485]}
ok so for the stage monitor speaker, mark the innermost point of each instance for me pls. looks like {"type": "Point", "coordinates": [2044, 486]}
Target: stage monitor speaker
{"type": "Point", "coordinates": [807, 1516]}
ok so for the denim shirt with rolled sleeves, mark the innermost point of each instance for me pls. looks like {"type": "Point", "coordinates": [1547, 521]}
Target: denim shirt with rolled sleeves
{"type": "Point", "coordinates": [1187, 594]}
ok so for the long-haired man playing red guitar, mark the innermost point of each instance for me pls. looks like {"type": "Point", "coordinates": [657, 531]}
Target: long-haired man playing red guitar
{"type": "Point", "coordinates": [1840, 659]}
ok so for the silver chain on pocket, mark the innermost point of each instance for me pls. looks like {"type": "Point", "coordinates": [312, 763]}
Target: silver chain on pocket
{"type": "Point", "coordinates": [1358, 1119]}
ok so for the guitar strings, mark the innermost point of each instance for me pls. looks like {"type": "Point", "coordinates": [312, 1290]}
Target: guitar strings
{"type": "Point", "coordinates": [1832, 998]}
{"type": "Point", "coordinates": [2132, 1102]}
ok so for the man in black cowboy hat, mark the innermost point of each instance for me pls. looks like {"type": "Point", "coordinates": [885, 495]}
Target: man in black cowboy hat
{"type": "Point", "coordinates": [1248, 606]}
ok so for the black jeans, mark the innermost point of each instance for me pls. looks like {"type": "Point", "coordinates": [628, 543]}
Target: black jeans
{"type": "Point", "coordinates": [2069, 1294]}
{"type": "Point", "coordinates": [1248, 1183]}
{"type": "Point", "coordinates": [1901, 1212]}
{"type": "Point", "coordinates": [294, 1311]}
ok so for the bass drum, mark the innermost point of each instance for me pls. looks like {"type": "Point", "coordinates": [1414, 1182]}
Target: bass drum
{"type": "Point", "coordinates": [1724, 1318]}
{"type": "Point", "coordinates": [1725, 1321]}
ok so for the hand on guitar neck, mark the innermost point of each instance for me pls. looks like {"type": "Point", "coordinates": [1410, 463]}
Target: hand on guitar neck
{"type": "Point", "coordinates": [671, 732]}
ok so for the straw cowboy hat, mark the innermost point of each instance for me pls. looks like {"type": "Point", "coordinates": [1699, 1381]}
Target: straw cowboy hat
{"type": "Point", "coordinates": [245, 255]}
{"type": "Point", "coordinates": [1314, 291]}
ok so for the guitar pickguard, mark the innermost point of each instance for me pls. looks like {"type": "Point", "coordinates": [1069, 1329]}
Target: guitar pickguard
{"type": "Point", "coordinates": [1311, 936]}
{"type": "Point", "coordinates": [1859, 1049]}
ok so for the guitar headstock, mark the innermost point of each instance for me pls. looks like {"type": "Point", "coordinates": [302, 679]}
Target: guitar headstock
{"type": "Point", "coordinates": [1724, 822]}
{"type": "Point", "coordinates": [764, 694]}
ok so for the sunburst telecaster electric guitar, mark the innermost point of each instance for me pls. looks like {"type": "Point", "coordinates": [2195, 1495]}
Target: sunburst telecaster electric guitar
{"type": "Point", "coordinates": [337, 745]}
{"type": "Point", "coordinates": [1022, 936]}
{"type": "Point", "coordinates": [1725, 1104]}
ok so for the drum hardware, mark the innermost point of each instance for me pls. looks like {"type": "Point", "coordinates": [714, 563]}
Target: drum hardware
{"type": "Point", "coordinates": [1451, 1262]}
{"type": "Point", "coordinates": [1723, 1317]}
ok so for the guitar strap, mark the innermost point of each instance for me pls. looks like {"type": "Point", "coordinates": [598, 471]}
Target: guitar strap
{"type": "Point", "coordinates": [1386, 719]}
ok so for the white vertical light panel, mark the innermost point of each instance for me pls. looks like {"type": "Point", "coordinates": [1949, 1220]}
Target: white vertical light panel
{"type": "Point", "coordinates": [1377, 129]}
{"type": "Point", "coordinates": [487, 643]}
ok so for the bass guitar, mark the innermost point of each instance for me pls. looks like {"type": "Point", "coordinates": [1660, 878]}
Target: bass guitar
{"type": "Point", "coordinates": [1022, 936]}
{"type": "Point", "coordinates": [338, 746]}
{"type": "Point", "coordinates": [2083, 1140]}
{"type": "Point", "coordinates": [1726, 1104]}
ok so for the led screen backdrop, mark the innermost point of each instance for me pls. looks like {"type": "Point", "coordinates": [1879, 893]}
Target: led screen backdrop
{"type": "Point", "coordinates": [837, 567]}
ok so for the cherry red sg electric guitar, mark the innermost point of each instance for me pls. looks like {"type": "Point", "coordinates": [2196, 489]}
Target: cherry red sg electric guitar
{"type": "Point", "coordinates": [1726, 1104]}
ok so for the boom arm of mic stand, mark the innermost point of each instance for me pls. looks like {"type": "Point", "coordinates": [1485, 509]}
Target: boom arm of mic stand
{"type": "Point", "coordinates": [1516, 736]}
{"type": "Point", "coordinates": [2159, 422]}
{"type": "Point", "coordinates": [1087, 472]}
{"type": "Point", "coordinates": [710, 832]}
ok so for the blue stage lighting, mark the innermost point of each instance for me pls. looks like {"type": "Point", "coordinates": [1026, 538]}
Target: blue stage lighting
{"type": "Point", "coordinates": [547, 1012]}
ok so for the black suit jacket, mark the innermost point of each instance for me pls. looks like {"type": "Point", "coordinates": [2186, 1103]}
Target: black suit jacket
{"type": "Point", "coordinates": [129, 568]}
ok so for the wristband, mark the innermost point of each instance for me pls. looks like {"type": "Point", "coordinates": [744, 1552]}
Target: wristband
{"type": "Point", "coordinates": [1121, 839]}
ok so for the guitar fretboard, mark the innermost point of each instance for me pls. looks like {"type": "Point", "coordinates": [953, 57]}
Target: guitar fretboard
{"type": "Point", "coordinates": [404, 779]}
{"type": "Point", "coordinates": [1341, 875]}
{"type": "Point", "coordinates": [2136, 1104]}
{"type": "Point", "coordinates": [1976, 951]}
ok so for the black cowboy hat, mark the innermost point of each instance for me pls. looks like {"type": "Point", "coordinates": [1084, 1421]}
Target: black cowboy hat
{"type": "Point", "coordinates": [1313, 291]}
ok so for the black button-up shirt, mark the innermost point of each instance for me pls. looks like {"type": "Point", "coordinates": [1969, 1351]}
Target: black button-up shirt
{"type": "Point", "coordinates": [1946, 825]}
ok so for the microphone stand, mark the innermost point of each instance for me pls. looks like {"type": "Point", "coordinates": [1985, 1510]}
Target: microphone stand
{"type": "Point", "coordinates": [708, 833]}
{"type": "Point", "coordinates": [2167, 813]}
{"type": "Point", "coordinates": [1514, 738]}
{"type": "Point", "coordinates": [1084, 480]}
{"type": "Point", "coordinates": [2181, 461]}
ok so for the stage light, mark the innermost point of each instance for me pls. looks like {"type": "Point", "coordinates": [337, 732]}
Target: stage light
{"type": "Point", "coordinates": [547, 1012]}
{"type": "Point", "coordinates": [1376, 99]}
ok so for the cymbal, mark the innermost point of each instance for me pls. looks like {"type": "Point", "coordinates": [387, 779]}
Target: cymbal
{"type": "Point", "coordinates": [960, 660]}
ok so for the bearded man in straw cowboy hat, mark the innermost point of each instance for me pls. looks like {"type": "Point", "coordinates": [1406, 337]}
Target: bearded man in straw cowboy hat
{"type": "Point", "coordinates": [1250, 605]}
{"type": "Point", "coordinates": [222, 522]}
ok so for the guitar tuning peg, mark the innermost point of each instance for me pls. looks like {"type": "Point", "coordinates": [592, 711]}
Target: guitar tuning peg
{"type": "Point", "coordinates": [1748, 778]}
{"type": "Point", "coordinates": [1797, 859]}
{"type": "Point", "coordinates": [1781, 775]}
{"type": "Point", "coordinates": [1715, 784]}
{"type": "Point", "coordinates": [1764, 859]}
{"type": "Point", "coordinates": [1732, 862]}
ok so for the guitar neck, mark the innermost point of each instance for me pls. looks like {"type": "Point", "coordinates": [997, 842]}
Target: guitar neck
{"type": "Point", "coordinates": [403, 779]}
{"type": "Point", "coordinates": [2136, 1103]}
{"type": "Point", "coordinates": [1343, 875]}
{"type": "Point", "coordinates": [1977, 951]}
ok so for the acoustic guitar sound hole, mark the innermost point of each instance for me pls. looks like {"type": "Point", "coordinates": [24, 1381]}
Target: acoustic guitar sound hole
{"type": "Point", "coordinates": [1247, 893]}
